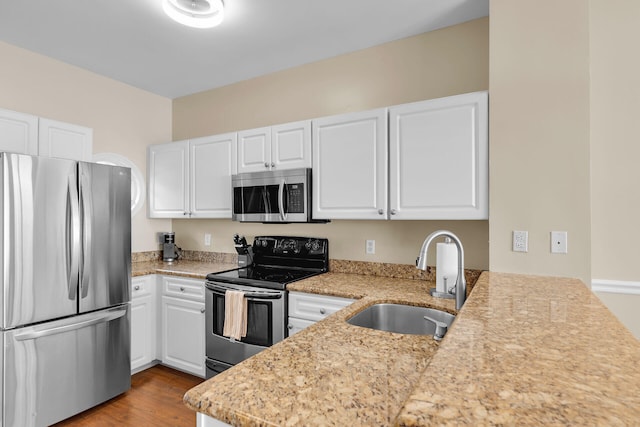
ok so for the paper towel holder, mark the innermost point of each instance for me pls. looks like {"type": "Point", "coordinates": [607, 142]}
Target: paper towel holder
{"type": "Point", "coordinates": [449, 292]}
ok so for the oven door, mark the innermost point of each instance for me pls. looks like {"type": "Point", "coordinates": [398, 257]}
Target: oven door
{"type": "Point", "coordinates": [266, 311]}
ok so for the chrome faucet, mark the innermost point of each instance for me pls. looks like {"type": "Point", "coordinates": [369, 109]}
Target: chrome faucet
{"type": "Point", "coordinates": [460, 288]}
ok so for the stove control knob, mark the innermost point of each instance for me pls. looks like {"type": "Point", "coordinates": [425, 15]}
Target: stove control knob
{"type": "Point", "coordinates": [315, 245]}
{"type": "Point", "coordinates": [307, 245]}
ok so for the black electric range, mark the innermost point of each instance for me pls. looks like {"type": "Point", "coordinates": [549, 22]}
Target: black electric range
{"type": "Point", "coordinates": [278, 261]}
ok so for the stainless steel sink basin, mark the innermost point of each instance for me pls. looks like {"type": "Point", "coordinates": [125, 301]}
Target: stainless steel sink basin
{"type": "Point", "coordinates": [404, 319]}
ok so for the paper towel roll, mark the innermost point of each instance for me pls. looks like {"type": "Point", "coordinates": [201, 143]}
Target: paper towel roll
{"type": "Point", "coordinates": [446, 266]}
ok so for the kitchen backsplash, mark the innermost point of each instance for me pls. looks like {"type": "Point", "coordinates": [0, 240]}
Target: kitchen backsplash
{"type": "Point", "coordinates": [398, 271]}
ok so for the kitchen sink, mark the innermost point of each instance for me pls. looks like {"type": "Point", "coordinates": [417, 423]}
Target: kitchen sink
{"type": "Point", "coordinates": [404, 319]}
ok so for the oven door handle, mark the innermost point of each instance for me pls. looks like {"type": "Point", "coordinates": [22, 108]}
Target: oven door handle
{"type": "Point", "coordinates": [283, 214]}
{"type": "Point", "coordinates": [266, 294]}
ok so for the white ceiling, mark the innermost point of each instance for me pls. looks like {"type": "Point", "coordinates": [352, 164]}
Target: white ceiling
{"type": "Point", "coordinates": [134, 42]}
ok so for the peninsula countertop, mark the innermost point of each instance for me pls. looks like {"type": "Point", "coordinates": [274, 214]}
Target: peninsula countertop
{"type": "Point", "coordinates": [524, 350]}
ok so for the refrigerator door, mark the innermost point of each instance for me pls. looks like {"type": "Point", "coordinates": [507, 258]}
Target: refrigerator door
{"type": "Point", "coordinates": [40, 238]}
{"type": "Point", "coordinates": [57, 369]}
{"type": "Point", "coordinates": [105, 204]}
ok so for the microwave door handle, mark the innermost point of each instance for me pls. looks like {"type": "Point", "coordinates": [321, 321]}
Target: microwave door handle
{"type": "Point", "coordinates": [283, 214]}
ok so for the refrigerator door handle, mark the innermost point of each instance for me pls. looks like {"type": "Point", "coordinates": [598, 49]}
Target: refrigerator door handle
{"type": "Point", "coordinates": [73, 235]}
{"type": "Point", "coordinates": [93, 319]}
{"type": "Point", "coordinates": [87, 215]}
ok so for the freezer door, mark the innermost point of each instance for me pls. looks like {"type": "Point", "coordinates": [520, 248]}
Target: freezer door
{"type": "Point", "coordinates": [40, 236]}
{"type": "Point", "coordinates": [105, 205]}
{"type": "Point", "coordinates": [57, 369]}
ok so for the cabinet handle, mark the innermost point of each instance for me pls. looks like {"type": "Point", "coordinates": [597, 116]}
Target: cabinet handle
{"type": "Point", "coordinates": [393, 212]}
{"type": "Point", "coordinates": [380, 212]}
{"type": "Point", "coordinates": [185, 213]}
{"type": "Point", "coordinates": [181, 288]}
{"type": "Point", "coordinates": [136, 288]}
{"type": "Point", "coordinates": [202, 310]}
{"type": "Point", "coordinates": [266, 165]}
{"type": "Point", "coordinates": [323, 311]}
{"type": "Point", "coordinates": [273, 165]}
{"type": "Point", "coordinates": [290, 326]}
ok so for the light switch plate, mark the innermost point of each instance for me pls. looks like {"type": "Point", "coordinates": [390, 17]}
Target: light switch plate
{"type": "Point", "coordinates": [559, 242]}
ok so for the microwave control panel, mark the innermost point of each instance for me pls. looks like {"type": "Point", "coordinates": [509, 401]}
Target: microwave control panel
{"type": "Point", "coordinates": [296, 199]}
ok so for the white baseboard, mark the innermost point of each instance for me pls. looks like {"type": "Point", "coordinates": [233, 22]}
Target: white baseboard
{"type": "Point", "coordinates": [615, 286]}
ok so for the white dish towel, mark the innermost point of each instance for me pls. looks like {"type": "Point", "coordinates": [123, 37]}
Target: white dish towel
{"type": "Point", "coordinates": [235, 315]}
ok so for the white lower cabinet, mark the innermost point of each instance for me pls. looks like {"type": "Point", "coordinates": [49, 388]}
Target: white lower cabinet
{"type": "Point", "coordinates": [306, 309]}
{"type": "Point", "coordinates": [182, 334]}
{"type": "Point", "coordinates": [143, 322]}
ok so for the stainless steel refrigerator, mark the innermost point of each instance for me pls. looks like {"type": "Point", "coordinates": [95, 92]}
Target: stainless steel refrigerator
{"type": "Point", "coordinates": [65, 258]}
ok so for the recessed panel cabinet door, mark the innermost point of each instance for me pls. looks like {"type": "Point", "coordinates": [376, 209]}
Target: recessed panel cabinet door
{"type": "Point", "coordinates": [168, 172]}
{"type": "Point", "coordinates": [254, 150]}
{"type": "Point", "coordinates": [213, 161]}
{"type": "Point", "coordinates": [350, 166]}
{"type": "Point", "coordinates": [64, 140]}
{"type": "Point", "coordinates": [18, 132]}
{"type": "Point", "coordinates": [291, 145]}
{"type": "Point", "coordinates": [438, 153]}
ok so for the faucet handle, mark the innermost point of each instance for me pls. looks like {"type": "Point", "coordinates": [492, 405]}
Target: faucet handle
{"type": "Point", "coordinates": [441, 328]}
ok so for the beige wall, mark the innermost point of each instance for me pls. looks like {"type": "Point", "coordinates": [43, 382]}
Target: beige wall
{"type": "Point", "coordinates": [124, 119]}
{"type": "Point", "coordinates": [445, 62]}
{"type": "Point", "coordinates": [615, 150]}
{"type": "Point", "coordinates": [539, 135]}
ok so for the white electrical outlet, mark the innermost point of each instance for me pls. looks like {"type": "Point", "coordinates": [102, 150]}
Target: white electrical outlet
{"type": "Point", "coordinates": [559, 242]}
{"type": "Point", "coordinates": [207, 239]}
{"type": "Point", "coordinates": [520, 241]}
{"type": "Point", "coordinates": [371, 247]}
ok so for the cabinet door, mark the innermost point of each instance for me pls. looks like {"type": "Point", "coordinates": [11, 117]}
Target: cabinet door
{"type": "Point", "coordinates": [183, 344]}
{"type": "Point", "coordinates": [213, 161]}
{"type": "Point", "coordinates": [168, 179]}
{"type": "Point", "coordinates": [350, 166]}
{"type": "Point", "coordinates": [295, 325]}
{"type": "Point", "coordinates": [143, 321]}
{"type": "Point", "coordinates": [18, 132]}
{"type": "Point", "coordinates": [254, 150]}
{"type": "Point", "coordinates": [439, 158]}
{"type": "Point", "coordinates": [291, 145]}
{"type": "Point", "coordinates": [64, 140]}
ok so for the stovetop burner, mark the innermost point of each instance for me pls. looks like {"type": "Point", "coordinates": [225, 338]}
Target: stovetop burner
{"type": "Point", "coordinates": [279, 261]}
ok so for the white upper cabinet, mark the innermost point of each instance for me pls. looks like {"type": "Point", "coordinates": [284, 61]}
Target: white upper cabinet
{"type": "Point", "coordinates": [291, 145]}
{"type": "Point", "coordinates": [254, 150]}
{"type": "Point", "coordinates": [18, 132]}
{"type": "Point", "coordinates": [213, 161]}
{"type": "Point", "coordinates": [168, 170]}
{"type": "Point", "coordinates": [285, 146]}
{"type": "Point", "coordinates": [438, 158]}
{"type": "Point", "coordinates": [26, 134]}
{"type": "Point", "coordinates": [350, 166]}
{"type": "Point", "coordinates": [192, 178]}
{"type": "Point", "coordinates": [64, 140]}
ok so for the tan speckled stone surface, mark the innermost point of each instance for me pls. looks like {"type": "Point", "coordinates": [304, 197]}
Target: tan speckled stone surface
{"type": "Point", "coordinates": [524, 351]}
{"type": "Point", "coordinates": [529, 350]}
{"type": "Point", "coordinates": [194, 269]}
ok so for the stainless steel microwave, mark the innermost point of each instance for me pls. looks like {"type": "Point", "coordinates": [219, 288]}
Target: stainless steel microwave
{"type": "Point", "coordinates": [272, 196]}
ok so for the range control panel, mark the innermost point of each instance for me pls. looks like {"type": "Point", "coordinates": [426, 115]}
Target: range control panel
{"type": "Point", "coordinates": [291, 247]}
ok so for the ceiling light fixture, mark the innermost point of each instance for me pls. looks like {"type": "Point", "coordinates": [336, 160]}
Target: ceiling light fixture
{"type": "Point", "coordinates": [195, 13]}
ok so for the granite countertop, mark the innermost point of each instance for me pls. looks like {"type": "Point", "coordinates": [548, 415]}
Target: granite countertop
{"type": "Point", "coordinates": [524, 350]}
{"type": "Point", "coordinates": [194, 269]}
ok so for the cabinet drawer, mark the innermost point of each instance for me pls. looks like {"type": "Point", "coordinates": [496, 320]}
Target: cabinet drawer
{"type": "Point", "coordinates": [315, 307]}
{"type": "Point", "coordinates": [142, 286]}
{"type": "Point", "coordinates": [183, 288]}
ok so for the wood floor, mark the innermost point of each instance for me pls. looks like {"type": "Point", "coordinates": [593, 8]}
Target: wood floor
{"type": "Point", "coordinates": [155, 399]}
